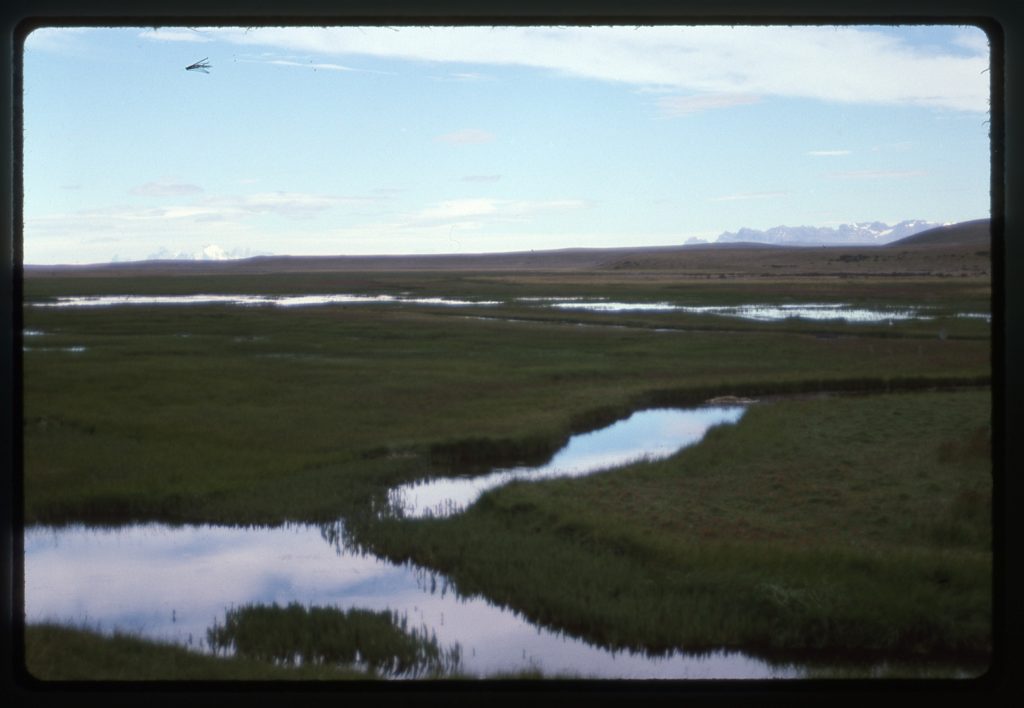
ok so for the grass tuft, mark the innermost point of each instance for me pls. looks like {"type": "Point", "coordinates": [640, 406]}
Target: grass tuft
{"type": "Point", "coordinates": [327, 636]}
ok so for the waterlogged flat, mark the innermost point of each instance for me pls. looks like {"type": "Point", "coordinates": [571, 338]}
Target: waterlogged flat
{"type": "Point", "coordinates": [255, 300]}
{"type": "Point", "coordinates": [76, 349]}
{"type": "Point", "coordinates": [761, 313]}
{"type": "Point", "coordinates": [756, 312]}
{"type": "Point", "coordinates": [73, 350]}
{"type": "Point", "coordinates": [601, 306]}
{"type": "Point", "coordinates": [646, 435]}
{"type": "Point", "coordinates": [814, 311]}
{"type": "Point", "coordinates": [173, 583]}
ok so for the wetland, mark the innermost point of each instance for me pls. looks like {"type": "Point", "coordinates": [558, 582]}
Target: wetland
{"type": "Point", "coordinates": [253, 460]}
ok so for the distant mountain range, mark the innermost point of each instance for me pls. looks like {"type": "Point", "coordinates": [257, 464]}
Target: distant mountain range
{"type": "Point", "coordinates": [873, 233]}
{"type": "Point", "coordinates": [212, 252]}
{"type": "Point", "coordinates": [864, 233]}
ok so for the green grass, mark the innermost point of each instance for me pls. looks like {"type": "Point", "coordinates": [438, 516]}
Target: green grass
{"type": "Point", "coordinates": [846, 527]}
{"type": "Point", "coordinates": [56, 653]}
{"type": "Point", "coordinates": [325, 636]}
{"type": "Point", "coordinates": [241, 415]}
{"type": "Point", "coordinates": [851, 526]}
{"type": "Point", "coordinates": [60, 653]}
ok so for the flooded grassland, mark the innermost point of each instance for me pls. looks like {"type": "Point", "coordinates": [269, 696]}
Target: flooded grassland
{"type": "Point", "coordinates": [800, 535]}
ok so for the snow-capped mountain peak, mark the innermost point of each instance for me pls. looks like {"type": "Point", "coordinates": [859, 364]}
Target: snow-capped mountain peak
{"type": "Point", "coordinates": [213, 252]}
{"type": "Point", "coordinates": [210, 252]}
{"type": "Point", "coordinates": [860, 233]}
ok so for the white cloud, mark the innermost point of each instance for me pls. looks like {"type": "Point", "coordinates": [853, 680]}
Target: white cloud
{"type": "Point", "coordinates": [973, 40]}
{"type": "Point", "coordinates": [827, 153]}
{"type": "Point", "coordinates": [294, 205]}
{"type": "Point", "coordinates": [685, 105]}
{"type": "Point", "coordinates": [459, 209]}
{"type": "Point", "coordinates": [54, 39]}
{"type": "Point", "coordinates": [475, 213]}
{"type": "Point", "coordinates": [310, 65]}
{"type": "Point", "coordinates": [82, 237]}
{"type": "Point", "coordinates": [218, 218]}
{"type": "Point", "coordinates": [470, 136]}
{"type": "Point", "coordinates": [543, 205]}
{"type": "Point", "coordinates": [315, 66]}
{"type": "Point", "coordinates": [462, 77]}
{"type": "Point", "coordinates": [289, 204]}
{"type": "Point", "coordinates": [841, 64]}
{"type": "Point", "coordinates": [174, 34]}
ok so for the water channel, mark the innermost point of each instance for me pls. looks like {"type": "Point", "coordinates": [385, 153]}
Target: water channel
{"type": "Point", "coordinates": [172, 583]}
{"type": "Point", "coordinates": [645, 435]}
{"type": "Point", "coordinates": [761, 312]}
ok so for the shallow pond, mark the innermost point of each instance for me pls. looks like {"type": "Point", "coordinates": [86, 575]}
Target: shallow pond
{"type": "Point", "coordinates": [757, 312]}
{"type": "Point", "coordinates": [752, 311]}
{"type": "Point", "coordinates": [174, 583]}
{"type": "Point", "coordinates": [253, 300]}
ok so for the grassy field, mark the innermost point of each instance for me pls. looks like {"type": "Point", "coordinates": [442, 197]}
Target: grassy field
{"type": "Point", "coordinates": [845, 526]}
{"type": "Point", "coordinates": [304, 411]}
{"type": "Point", "coordinates": [818, 527]}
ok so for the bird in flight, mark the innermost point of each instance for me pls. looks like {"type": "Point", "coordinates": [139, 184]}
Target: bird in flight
{"type": "Point", "coordinates": [202, 65]}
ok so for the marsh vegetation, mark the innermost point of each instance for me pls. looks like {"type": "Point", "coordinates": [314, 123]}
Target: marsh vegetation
{"type": "Point", "coordinates": [382, 642]}
{"type": "Point", "coordinates": [824, 527]}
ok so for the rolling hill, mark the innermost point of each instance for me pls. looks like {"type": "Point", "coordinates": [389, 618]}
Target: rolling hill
{"type": "Point", "coordinates": [967, 233]}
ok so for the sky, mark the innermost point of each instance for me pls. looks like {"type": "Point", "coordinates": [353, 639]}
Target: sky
{"type": "Point", "coordinates": [386, 140]}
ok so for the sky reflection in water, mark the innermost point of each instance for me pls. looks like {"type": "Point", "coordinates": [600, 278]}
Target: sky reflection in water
{"type": "Point", "coordinates": [758, 312]}
{"type": "Point", "coordinates": [650, 434]}
{"type": "Point", "coordinates": [251, 300]}
{"type": "Point", "coordinates": [761, 313]}
{"type": "Point", "coordinates": [173, 583]}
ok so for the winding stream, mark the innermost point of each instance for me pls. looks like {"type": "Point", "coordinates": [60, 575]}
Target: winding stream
{"type": "Point", "coordinates": [172, 583]}
{"type": "Point", "coordinates": [646, 435]}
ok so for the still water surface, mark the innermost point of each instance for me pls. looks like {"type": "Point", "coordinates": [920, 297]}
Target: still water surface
{"type": "Point", "coordinates": [253, 300]}
{"type": "Point", "coordinates": [759, 312]}
{"type": "Point", "coordinates": [753, 311]}
{"type": "Point", "coordinates": [646, 435]}
{"type": "Point", "coordinates": [173, 583]}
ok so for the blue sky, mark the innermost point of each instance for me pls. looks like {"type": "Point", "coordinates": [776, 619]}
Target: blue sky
{"type": "Point", "coordinates": [479, 139]}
